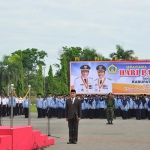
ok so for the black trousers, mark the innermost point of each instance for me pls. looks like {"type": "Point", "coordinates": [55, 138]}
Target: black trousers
{"type": "Point", "coordinates": [39, 110]}
{"type": "Point", "coordinates": [91, 113]}
{"type": "Point", "coordinates": [20, 109]}
{"type": "Point", "coordinates": [129, 113]}
{"type": "Point", "coordinates": [138, 114]}
{"type": "Point", "coordinates": [86, 113]}
{"type": "Point", "coordinates": [83, 114]}
{"type": "Point", "coordinates": [96, 113]}
{"type": "Point", "coordinates": [26, 112]}
{"type": "Point", "coordinates": [143, 114]}
{"type": "Point", "coordinates": [1, 110]}
{"type": "Point", "coordinates": [124, 114]}
{"type": "Point", "coordinates": [101, 113]}
{"type": "Point", "coordinates": [73, 130]}
{"type": "Point", "coordinates": [148, 115]}
{"type": "Point", "coordinates": [60, 112]}
{"type": "Point", "coordinates": [17, 109]}
{"type": "Point", "coordinates": [10, 111]}
{"type": "Point", "coordinates": [43, 113]}
{"type": "Point", "coordinates": [49, 112]}
{"type": "Point", "coordinates": [4, 110]}
{"type": "Point", "coordinates": [54, 112]}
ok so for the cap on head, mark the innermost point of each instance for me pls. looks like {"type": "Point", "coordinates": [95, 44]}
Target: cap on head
{"type": "Point", "coordinates": [85, 68]}
{"type": "Point", "coordinates": [101, 68]}
{"type": "Point", "coordinates": [110, 93]}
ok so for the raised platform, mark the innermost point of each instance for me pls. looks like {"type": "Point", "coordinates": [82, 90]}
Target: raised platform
{"type": "Point", "coordinates": [23, 138]}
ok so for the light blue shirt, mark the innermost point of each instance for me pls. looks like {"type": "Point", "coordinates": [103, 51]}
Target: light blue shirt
{"type": "Point", "coordinates": [54, 103]}
{"type": "Point", "coordinates": [102, 104]}
{"type": "Point", "coordinates": [44, 104]}
{"type": "Point", "coordinates": [61, 103]}
{"type": "Point", "coordinates": [39, 102]}
{"type": "Point", "coordinates": [14, 102]}
{"type": "Point", "coordinates": [26, 103]}
{"type": "Point", "coordinates": [49, 100]}
{"type": "Point", "coordinates": [124, 108]}
{"type": "Point", "coordinates": [138, 107]}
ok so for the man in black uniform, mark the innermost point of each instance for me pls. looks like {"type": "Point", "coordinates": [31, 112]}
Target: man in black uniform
{"type": "Point", "coordinates": [73, 115]}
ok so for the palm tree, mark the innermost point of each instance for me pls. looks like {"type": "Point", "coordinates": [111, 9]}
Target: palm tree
{"type": "Point", "coordinates": [122, 54]}
{"type": "Point", "coordinates": [9, 71]}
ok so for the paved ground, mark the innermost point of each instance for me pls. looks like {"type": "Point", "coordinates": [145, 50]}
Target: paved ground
{"type": "Point", "coordinates": [94, 134]}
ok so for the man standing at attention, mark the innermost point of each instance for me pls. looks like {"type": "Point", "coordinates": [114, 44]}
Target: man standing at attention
{"type": "Point", "coordinates": [73, 116]}
{"type": "Point", "coordinates": [110, 107]}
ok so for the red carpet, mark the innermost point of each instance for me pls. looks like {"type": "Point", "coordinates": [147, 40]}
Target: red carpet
{"type": "Point", "coordinates": [23, 138]}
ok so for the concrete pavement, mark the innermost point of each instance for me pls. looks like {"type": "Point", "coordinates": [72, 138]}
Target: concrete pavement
{"type": "Point", "coordinates": [93, 133]}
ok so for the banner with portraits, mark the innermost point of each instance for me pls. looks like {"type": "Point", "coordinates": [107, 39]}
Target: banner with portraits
{"type": "Point", "coordinates": [102, 77]}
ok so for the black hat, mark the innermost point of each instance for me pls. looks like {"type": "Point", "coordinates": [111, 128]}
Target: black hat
{"type": "Point", "coordinates": [73, 90]}
{"type": "Point", "coordinates": [85, 68]}
{"type": "Point", "coordinates": [100, 68]}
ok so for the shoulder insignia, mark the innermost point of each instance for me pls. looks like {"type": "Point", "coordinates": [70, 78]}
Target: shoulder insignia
{"type": "Point", "coordinates": [95, 79]}
{"type": "Point", "coordinates": [90, 78]}
{"type": "Point", "coordinates": [108, 78]}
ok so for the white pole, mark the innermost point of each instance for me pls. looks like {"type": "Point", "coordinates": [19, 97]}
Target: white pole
{"type": "Point", "coordinates": [11, 120]}
{"type": "Point", "coordinates": [29, 106]}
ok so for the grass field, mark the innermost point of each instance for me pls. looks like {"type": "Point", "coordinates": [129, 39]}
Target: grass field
{"type": "Point", "coordinates": [33, 108]}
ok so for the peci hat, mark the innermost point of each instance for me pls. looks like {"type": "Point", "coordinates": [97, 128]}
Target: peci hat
{"type": "Point", "coordinates": [101, 68]}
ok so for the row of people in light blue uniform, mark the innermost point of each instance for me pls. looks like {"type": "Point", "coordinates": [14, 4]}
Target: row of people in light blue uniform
{"type": "Point", "coordinates": [53, 106]}
{"type": "Point", "coordinates": [131, 107]}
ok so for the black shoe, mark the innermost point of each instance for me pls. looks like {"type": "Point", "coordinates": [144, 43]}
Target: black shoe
{"type": "Point", "coordinates": [111, 123]}
{"type": "Point", "coordinates": [74, 142]}
{"type": "Point", "coordinates": [69, 142]}
{"type": "Point", "coordinates": [108, 123]}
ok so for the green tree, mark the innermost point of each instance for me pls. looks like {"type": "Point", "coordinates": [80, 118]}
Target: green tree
{"type": "Point", "coordinates": [20, 81]}
{"type": "Point", "coordinates": [88, 54]}
{"type": "Point", "coordinates": [50, 81]}
{"type": "Point", "coordinates": [31, 58]}
{"type": "Point", "coordinates": [9, 68]}
{"type": "Point", "coordinates": [122, 54]}
{"type": "Point", "coordinates": [64, 78]}
{"type": "Point", "coordinates": [39, 81]}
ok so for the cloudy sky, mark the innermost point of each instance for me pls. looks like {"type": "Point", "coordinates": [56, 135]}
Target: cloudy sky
{"type": "Point", "coordinates": [50, 24]}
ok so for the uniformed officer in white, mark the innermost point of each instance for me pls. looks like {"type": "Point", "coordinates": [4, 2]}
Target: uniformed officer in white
{"type": "Point", "coordinates": [84, 84]}
{"type": "Point", "coordinates": [102, 84]}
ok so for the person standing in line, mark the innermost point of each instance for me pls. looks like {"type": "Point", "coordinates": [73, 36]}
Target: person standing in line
{"type": "Point", "coordinates": [86, 104]}
{"type": "Point", "coordinates": [73, 116]}
{"type": "Point", "coordinates": [20, 106]}
{"type": "Point", "coordinates": [60, 107]}
{"type": "Point", "coordinates": [4, 105]}
{"type": "Point", "coordinates": [148, 107]}
{"type": "Point", "coordinates": [39, 102]}
{"type": "Point", "coordinates": [83, 107]}
{"type": "Point", "coordinates": [49, 108]}
{"type": "Point", "coordinates": [64, 106]}
{"type": "Point", "coordinates": [138, 106]}
{"type": "Point", "coordinates": [125, 107]}
{"type": "Point", "coordinates": [110, 106]}
{"type": "Point", "coordinates": [26, 106]}
{"type": "Point", "coordinates": [96, 107]}
{"type": "Point", "coordinates": [14, 105]}
{"type": "Point", "coordinates": [44, 107]}
{"type": "Point", "coordinates": [143, 112]}
{"type": "Point", "coordinates": [102, 106]}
